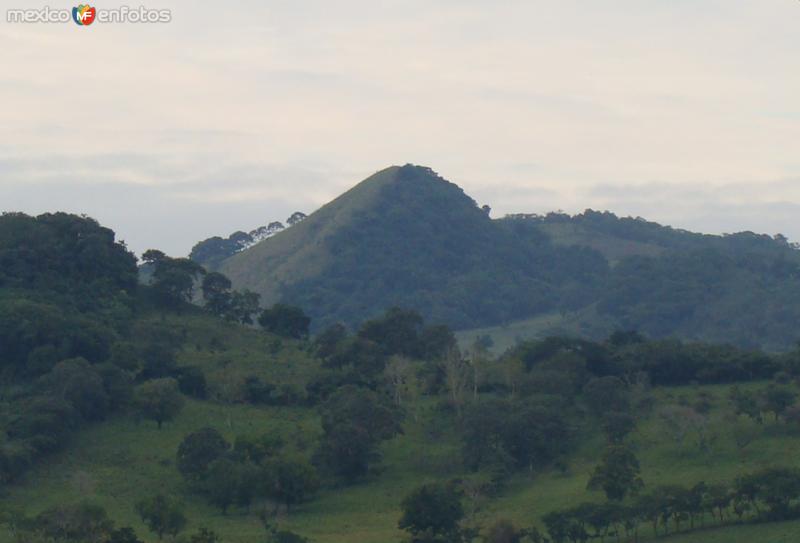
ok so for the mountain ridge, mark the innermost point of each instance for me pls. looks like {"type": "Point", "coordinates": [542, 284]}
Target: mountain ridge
{"type": "Point", "coordinates": [406, 236]}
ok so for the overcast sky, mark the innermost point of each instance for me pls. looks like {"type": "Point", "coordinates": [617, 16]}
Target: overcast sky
{"type": "Point", "coordinates": [238, 113]}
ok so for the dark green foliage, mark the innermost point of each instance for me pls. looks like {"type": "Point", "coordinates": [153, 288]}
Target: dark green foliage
{"type": "Point", "coordinates": [223, 302]}
{"type": "Point", "coordinates": [510, 434]}
{"type": "Point", "coordinates": [212, 251]}
{"type": "Point", "coordinates": [163, 515]}
{"type": "Point", "coordinates": [258, 392]}
{"type": "Point", "coordinates": [666, 362]}
{"type": "Point", "coordinates": [81, 385]}
{"type": "Point", "coordinates": [777, 488]}
{"type": "Point", "coordinates": [159, 400]}
{"type": "Point", "coordinates": [35, 336]}
{"type": "Point", "coordinates": [617, 426]}
{"type": "Point", "coordinates": [354, 421]}
{"type": "Point", "coordinates": [125, 356]}
{"type": "Point", "coordinates": [285, 320]}
{"type": "Point", "coordinates": [73, 523]}
{"type": "Point", "coordinates": [257, 449]}
{"type": "Point", "coordinates": [617, 474]}
{"type": "Point", "coordinates": [204, 535]}
{"type": "Point", "coordinates": [118, 385]}
{"type": "Point", "coordinates": [198, 450]}
{"type": "Point", "coordinates": [289, 481]}
{"type": "Point", "coordinates": [503, 531]}
{"type": "Point", "coordinates": [158, 361]}
{"type": "Point", "coordinates": [285, 536]}
{"type": "Point", "coordinates": [43, 423]}
{"type": "Point", "coordinates": [745, 403]}
{"type": "Point", "coordinates": [603, 394]}
{"type": "Point", "coordinates": [217, 293]}
{"type": "Point", "coordinates": [397, 332]}
{"type": "Point", "coordinates": [173, 279]}
{"type": "Point", "coordinates": [223, 482]}
{"type": "Point", "coordinates": [747, 278]}
{"type": "Point", "coordinates": [72, 259]}
{"type": "Point", "coordinates": [432, 513]}
{"type": "Point", "coordinates": [778, 398]}
{"type": "Point", "coordinates": [361, 359]}
{"type": "Point", "coordinates": [191, 381]}
{"type": "Point", "coordinates": [124, 535]}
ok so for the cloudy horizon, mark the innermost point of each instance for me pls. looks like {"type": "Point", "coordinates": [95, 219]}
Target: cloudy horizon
{"type": "Point", "coordinates": [685, 113]}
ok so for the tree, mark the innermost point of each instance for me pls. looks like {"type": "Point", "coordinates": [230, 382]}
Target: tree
{"type": "Point", "coordinates": [245, 304]}
{"type": "Point", "coordinates": [295, 218]}
{"type": "Point", "coordinates": [745, 403]}
{"type": "Point", "coordinates": [477, 359]}
{"type": "Point", "coordinates": [354, 421]}
{"type": "Point", "coordinates": [159, 400]}
{"type": "Point", "coordinates": [285, 320]}
{"type": "Point", "coordinates": [456, 372]}
{"type": "Point", "coordinates": [432, 513]}
{"type": "Point", "coordinates": [216, 289]}
{"type": "Point", "coordinates": [124, 535]}
{"type": "Point", "coordinates": [173, 278]}
{"type": "Point", "coordinates": [204, 535]}
{"type": "Point", "coordinates": [198, 450]}
{"type": "Point", "coordinates": [84, 522]}
{"type": "Point", "coordinates": [777, 399]}
{"type": "Point", "coordinates": [290, 480]}
{"type": "Point", "coordinates": [617, 474]}
{"type": "Point", "coordinates": [158, 360]}
{"type": "Point", "coordinates": [503, 531]}
{"type": "Point", "coordinates": [397, 332]}
{"type": "Point", "coordinates": [603, 394]}
{"type": "Point", "coordinates": [162, 515]}
{"type": "Point", "coordinates": [77, 382]}
{"type": "Point", "coordinates": [223, 483]}
{"type": "Point", "coordinates": [504, 435]}
{"type": "Point", "coordinates": [399, 373]}
{"type": "Point", "coordinates": [777, 488]}
{"type": "Point", "coordinates": [617, 426]}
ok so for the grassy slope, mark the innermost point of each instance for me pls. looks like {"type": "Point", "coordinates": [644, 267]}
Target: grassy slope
{"type": "Point", "coordinates": [294, 254]}
{"type": "Point", "coordinates": [613, 248]}
{"type": "Point", "coordinates": [583, 323]}
{"type": "Point", "coordinates": [120, 461]}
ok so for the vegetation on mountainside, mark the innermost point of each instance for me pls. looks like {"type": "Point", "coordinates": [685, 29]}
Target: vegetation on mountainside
{"type": "Point", "coordinates": [167, 420]}
{"type": "Point", "coordinates": [406, 237]}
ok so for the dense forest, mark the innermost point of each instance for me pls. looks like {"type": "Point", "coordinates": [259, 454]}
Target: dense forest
{"type": "Point", "coordinates": [197, 414]}
{"type": "Point", "coordinates": [406, 237]}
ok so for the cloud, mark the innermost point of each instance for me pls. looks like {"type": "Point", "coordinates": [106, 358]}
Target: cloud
{"type": "Point", "coordinates": [640, 107]}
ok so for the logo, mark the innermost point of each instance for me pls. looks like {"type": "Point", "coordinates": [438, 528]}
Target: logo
{"type": "Point", "coordinates": [84, 14]}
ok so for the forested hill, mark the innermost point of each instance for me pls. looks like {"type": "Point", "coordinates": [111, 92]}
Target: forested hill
{"type": "Point", "coordinates": [407, 237]}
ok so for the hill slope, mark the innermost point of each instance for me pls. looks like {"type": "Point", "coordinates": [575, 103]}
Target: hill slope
{"type": "Point", "coordinates": [407, 237]}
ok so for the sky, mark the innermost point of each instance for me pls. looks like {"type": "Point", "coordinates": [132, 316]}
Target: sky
{"type": "Point", "coordinates": [235, 114]}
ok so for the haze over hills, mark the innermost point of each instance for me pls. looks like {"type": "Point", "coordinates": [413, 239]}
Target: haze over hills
{"type": "Point", "coordinates": [407, 237]}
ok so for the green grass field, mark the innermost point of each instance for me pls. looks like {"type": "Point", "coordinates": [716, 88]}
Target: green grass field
{"type": "Point", "coordinates": [119, 461]}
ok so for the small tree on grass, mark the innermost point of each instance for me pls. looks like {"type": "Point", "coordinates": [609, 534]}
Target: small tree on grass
{"type": "Point", "coordinates": [159, 400]}
{"type": "Point", "coordinates": [198, 450]}
{"type": "Point", "coordinates": [432, 513]}
{"type": "Point", "coordinates": [617, 474]}
{"type": "Point", "coordinates": [124, 535]}
{"type": "Point", "coordinates": [503, 531]}
{"type": "Point", "coordinates": [162, 515]}
{"type": "Point", "coordinates": [204, 535]}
